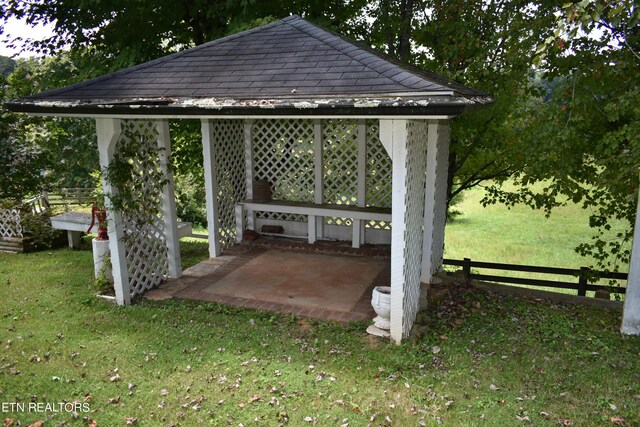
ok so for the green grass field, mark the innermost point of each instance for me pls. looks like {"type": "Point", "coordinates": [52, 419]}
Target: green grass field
{"type": "Point", "coordinates": [484, 360]}
{"type": "Point", "coordinates": [519, 235]}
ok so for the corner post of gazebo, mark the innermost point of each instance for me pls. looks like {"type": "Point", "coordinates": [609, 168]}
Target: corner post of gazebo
{"type": "Point", "coordinates": [108, 132]}
{"type": "Point", "coordinates": [435, 202]}
{"type": "Point", "coordinates": [394, 137]}
{"type": "Point", "coordinates": [169, 212]}
{"type": "Point", "coordinates": [631, 313]}
{"type": "Point", "coordinates": [249, 171]}
{"type": "Point", "coordinates": [211, 188]}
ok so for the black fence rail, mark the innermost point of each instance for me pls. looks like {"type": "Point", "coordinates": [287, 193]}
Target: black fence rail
{"type": "Point", "coordinates": [583, 276]}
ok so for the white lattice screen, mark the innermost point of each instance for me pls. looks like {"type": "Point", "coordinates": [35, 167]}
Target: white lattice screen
{"type": "Point", "coordinates": [440, 202]}
{"type": "Point", "coordinates": [10, 223]}
{"type": "Point", "coordinates": [228, 139]}
{"type": "Point", "coordinates": [284, 156]}
{"type": "Point", "coordinates": [340, 163]}
{"type": "Point", "coordinates": [379, 172]}
{"type": "Point", "coordinates": [144, 232]}
{"type": "Point", "coordinates": [416, 163]}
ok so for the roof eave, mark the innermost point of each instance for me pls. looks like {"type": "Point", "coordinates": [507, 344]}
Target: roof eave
{"type": "Point", "coordinates": [194, 108]}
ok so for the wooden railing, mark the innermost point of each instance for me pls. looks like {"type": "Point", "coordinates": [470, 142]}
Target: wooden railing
{"type": "Point", "coordinates": [583, 275]}
{"type": "Point", "coordinates": [70, 196]}
{"type": "Point", "coordinates": [39, 204]}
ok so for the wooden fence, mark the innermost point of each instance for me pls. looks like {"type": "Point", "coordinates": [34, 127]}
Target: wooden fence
{"type": "Point", "coordinates": [583, 276]}
{"type": "Point", "coordinates": [70, 196]}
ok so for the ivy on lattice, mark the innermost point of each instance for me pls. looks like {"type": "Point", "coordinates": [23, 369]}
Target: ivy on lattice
{"type": "Point", "coordinates": [137, 176]}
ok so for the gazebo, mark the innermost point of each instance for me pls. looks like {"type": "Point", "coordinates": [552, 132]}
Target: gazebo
{"type": "Point", "coordinates": [353, 143]}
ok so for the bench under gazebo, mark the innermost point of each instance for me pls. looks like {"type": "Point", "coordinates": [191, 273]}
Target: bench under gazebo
{"type": "Point", "coordinates": [354, 146]}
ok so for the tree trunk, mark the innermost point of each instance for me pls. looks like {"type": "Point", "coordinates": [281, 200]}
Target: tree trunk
{"type": "Point", "coordinates": [404, 36]}
{"type": "Point", "coordinates": [451, 171]}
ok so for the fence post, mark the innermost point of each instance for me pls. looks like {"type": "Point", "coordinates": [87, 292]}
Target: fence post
{"type": "Point", "coordinates": [582, 281]}
{"type": "Point", "coordinates": [466, 268]}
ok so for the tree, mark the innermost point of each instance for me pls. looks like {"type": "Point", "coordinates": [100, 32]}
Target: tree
{"type": "Point", "coordinates": [68, 144]}
{"type": "Point", "coordinates": [22, 161]}
{"type": "Point", "coordinates": [582, 140]}
{"type": "Point", "coordinates": [487, 45]}
{"type": "Point", "coordinates": [115, 35]}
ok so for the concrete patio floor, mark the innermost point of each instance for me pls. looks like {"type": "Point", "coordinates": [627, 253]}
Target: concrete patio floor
{"type": "Point", "coordinates": [317, 281]}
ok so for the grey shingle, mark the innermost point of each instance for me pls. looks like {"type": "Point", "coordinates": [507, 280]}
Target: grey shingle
{"type": "Point", "coordinates": [273, 59]}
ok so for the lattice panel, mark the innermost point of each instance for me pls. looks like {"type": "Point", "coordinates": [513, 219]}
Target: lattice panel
{"type": "Point", "coordinates": [284, 155]}
{"type": "Point", "coordinates": [440, 202]}
{"type": "Point", "coordinates": [340, 161]}
{"type": "Point", "coordinates": [10, 223]}
{"type": "Point", "coordinates": [379, 173]}
{"type": "Point", "coordinates": [416, 163]}
{"type": "Point", "coordinates": [228, 140]}
{"type": "Point", "coordinates": [143, 223]}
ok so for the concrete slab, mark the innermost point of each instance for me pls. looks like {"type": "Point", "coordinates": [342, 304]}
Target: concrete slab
{"type": "Point", "coordinates": [300, 279]}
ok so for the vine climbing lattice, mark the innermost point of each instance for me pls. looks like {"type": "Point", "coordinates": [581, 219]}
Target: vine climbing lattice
{"type": "Point", "coordinates": [140, 193]}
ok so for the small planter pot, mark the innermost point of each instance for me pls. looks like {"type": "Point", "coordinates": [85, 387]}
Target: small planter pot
{"type": "Point", "coordinates": [381, 303]}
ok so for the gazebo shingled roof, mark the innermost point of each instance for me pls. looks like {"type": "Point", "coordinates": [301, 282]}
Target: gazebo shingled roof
{"type": "Point", "coordinates": [288, 67]}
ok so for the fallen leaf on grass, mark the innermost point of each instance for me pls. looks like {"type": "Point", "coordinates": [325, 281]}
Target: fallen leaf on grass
{"type": "Point", "coordinates": [492, 387]}
{"type": "Point", "coordinates": [8, 422]}
{"type": "Point", "coordinates": [38, 423]}
{"type": "Point", "coordinates": [131, 421]}
{"type": "Point", "coordinates": [164, 392]}
{"type": "Point", "coordinates": [114, 378]}
{"type": "Point", "coordinates": [617, 420]}
{"type": "Point", "coordinates": [567, 422]}
{"type": "Point", "coordinates": [114, 400]}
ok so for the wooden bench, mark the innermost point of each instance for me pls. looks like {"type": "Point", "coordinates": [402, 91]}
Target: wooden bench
{"type": "Point", "coordinates": [76, 223]}
{"type": "Point", "coordinates": [313, 211]}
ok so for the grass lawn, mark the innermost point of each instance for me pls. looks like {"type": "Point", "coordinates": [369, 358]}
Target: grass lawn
{"type": "Point", "coordinates": [520, 235]}
{"type": "Point", "coordinates": [484, 360]}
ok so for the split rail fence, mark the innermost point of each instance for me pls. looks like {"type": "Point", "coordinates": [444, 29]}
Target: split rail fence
{"type": "Point", "coordinates": [584, 276]}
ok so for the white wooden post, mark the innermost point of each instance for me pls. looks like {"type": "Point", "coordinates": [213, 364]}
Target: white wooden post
{"type": "Point", "coordinates": [394, 133]}
{"type": "Point", "coordinates": [359, 225]}
{"type": "Point", "coordinates": [211, 188]}
{"type": "Point", "coordinates": [169, 212]}
{"type": "Point", "coordinates": [249, 172]}
{"type": "Point", "coordinates": [108, 132]}
{"type": "Point", "coordinates": [631, 313]}
{"type": "Point", "coordinates": [318, 191]}
{"type": "Point", "coordinates": [435, 210]}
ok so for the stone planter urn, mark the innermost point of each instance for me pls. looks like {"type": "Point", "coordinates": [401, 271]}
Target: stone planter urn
{"type": "Point", "coordinates": [381, 302]}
